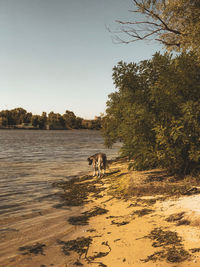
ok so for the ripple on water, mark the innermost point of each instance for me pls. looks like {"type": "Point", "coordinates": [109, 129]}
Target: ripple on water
{"type": "Point", "coordinates": [30, 161]}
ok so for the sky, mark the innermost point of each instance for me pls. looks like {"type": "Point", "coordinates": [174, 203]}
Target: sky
{"type": "Point", "coordinates": [58, 55]}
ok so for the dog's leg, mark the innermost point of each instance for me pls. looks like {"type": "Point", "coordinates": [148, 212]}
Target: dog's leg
{"type": "Point", "coordinates": [94, 168]}
{"type": "Point", "coordinates": [99, 170]}
{"type": "Point", "coordinates": [104, 164]}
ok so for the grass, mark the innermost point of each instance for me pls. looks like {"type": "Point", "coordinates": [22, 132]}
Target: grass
{"type": "Point", "coordinates": [129, 184]}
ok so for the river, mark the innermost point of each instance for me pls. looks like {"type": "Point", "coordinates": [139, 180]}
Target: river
{"type": "Point", "coordinates": [30, 161]}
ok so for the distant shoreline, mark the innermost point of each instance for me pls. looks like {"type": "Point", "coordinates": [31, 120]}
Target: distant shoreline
{"type": "Point", "coordinates": [19, 118]}
{"type": "Point", "coordinates": [35, 128]}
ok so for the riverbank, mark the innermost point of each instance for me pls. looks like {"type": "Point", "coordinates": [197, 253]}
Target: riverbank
{"type": "Point", "coordinates": [126, 218]}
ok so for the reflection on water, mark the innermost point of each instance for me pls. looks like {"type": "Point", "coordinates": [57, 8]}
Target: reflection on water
{"type": "Point", "coordinates": [31, 160]}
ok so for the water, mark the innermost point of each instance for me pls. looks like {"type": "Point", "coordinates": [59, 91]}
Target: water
{"type": "Point", "coordinates": [30, 161]}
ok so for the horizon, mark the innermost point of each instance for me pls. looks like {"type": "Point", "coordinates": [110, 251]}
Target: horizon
{"type": "Point", "coordinates": [59, 56]}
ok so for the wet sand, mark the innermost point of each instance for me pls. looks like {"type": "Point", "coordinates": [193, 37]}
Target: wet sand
{"type": "Point", "coordinates": [103, 228]}
{"type": "Point", "coordinates": [44, 228]}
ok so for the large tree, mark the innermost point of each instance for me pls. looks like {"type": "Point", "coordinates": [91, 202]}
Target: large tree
{"type": "Point", "coordinates": [155, 112]}
{"type": "Point", "coordinates": [174, 23]}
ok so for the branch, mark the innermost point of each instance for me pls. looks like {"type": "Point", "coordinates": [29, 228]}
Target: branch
{"type": "Point", "coordinates": [153, 14]}
{"type": "Point", "coordinates": [134, 34]}
{"type": "Point", "coordinates": [168, 44]}
{"type": "Point", "coordinates": [154, 26]}
{"type": "Point", "coordinates": [138, 22]}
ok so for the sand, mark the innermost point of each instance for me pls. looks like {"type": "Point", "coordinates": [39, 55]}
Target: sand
{"type": "Point", "coordinates": [119, 234]}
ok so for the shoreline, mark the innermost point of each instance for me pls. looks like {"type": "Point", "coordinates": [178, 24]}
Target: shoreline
{"type": "Point", "coordinates": [112, 226]}
{"type": "Point", "coordinates": [38, 129]}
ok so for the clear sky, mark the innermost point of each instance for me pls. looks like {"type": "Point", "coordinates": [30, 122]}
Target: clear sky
{"type": "Point", "coordinates": [57, 55]}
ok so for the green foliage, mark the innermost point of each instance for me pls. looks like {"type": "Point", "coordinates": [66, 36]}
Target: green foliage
{"type": "Point", "coordinates": [39, 121]}
{"type": "Point", "coordinates": [20, 118]}
{"type": "Point", "coordinates": [15, 116]}
{"type": "Point", "coordinates": [3, 121]}
{"type": "Point", "coordinates": [156, 113]}
{"type": "Point", "coordinates": [55, 121]}
{"type": "Point", "coordinates": [70, 119]}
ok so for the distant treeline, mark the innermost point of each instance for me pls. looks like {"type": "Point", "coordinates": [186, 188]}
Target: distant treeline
{"type": "Point", "coordinates": [19, 118]}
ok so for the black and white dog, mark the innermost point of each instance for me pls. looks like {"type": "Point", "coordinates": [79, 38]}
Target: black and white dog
{"type": "Point", "coordinates": [98, 161]}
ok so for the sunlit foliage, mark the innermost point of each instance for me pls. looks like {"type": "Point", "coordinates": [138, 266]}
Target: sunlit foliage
{"type": "Point", "coordinates": [155, 112]}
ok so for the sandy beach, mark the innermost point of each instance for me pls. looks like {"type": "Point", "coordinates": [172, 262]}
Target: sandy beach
{"type": "Point", "coordinates": [125, 218]}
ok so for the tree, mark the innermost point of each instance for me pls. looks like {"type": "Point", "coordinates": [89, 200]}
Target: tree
{"type": "Point", "coordinates": [56, 121]}
{"type": "Point", "coordinates": [3, 122]}
{"type": "Point", "coordinates": [96, 123]}
{"type": "Point", "coordinates": [35, 120]}
{"type": "Point", "coordinates": [173, 23]}
{"type": "Point", "coordinates": [15, 116]}
{"type": "Point", "coordinates": [128, 116]}
{"type": "Point", "coordinates": [155, 113]}
{"type": "Point", "coordinates": [177, 126]}
{"type": "Point", "coordinates": [6, 117]}
{"type": "Point", "coordinates": [43, 121]}
{"type": "Point", "coordinates": [18, 115]}
{"type": "Point", "coordinates": [70, 119]}
{"type": "Point", "coordinates": [27, 117]}
{"type": "Point", "coordinates": [39, 121]}
{"type": "Point", "coordinates": [78, 123]}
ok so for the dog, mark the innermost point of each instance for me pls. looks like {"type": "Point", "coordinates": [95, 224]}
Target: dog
{"type": "Point", "coordinates": [98, 161]}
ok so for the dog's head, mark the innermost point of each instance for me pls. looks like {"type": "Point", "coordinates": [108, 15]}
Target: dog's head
{"type": "Point", "coordinates": [90, 160]}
